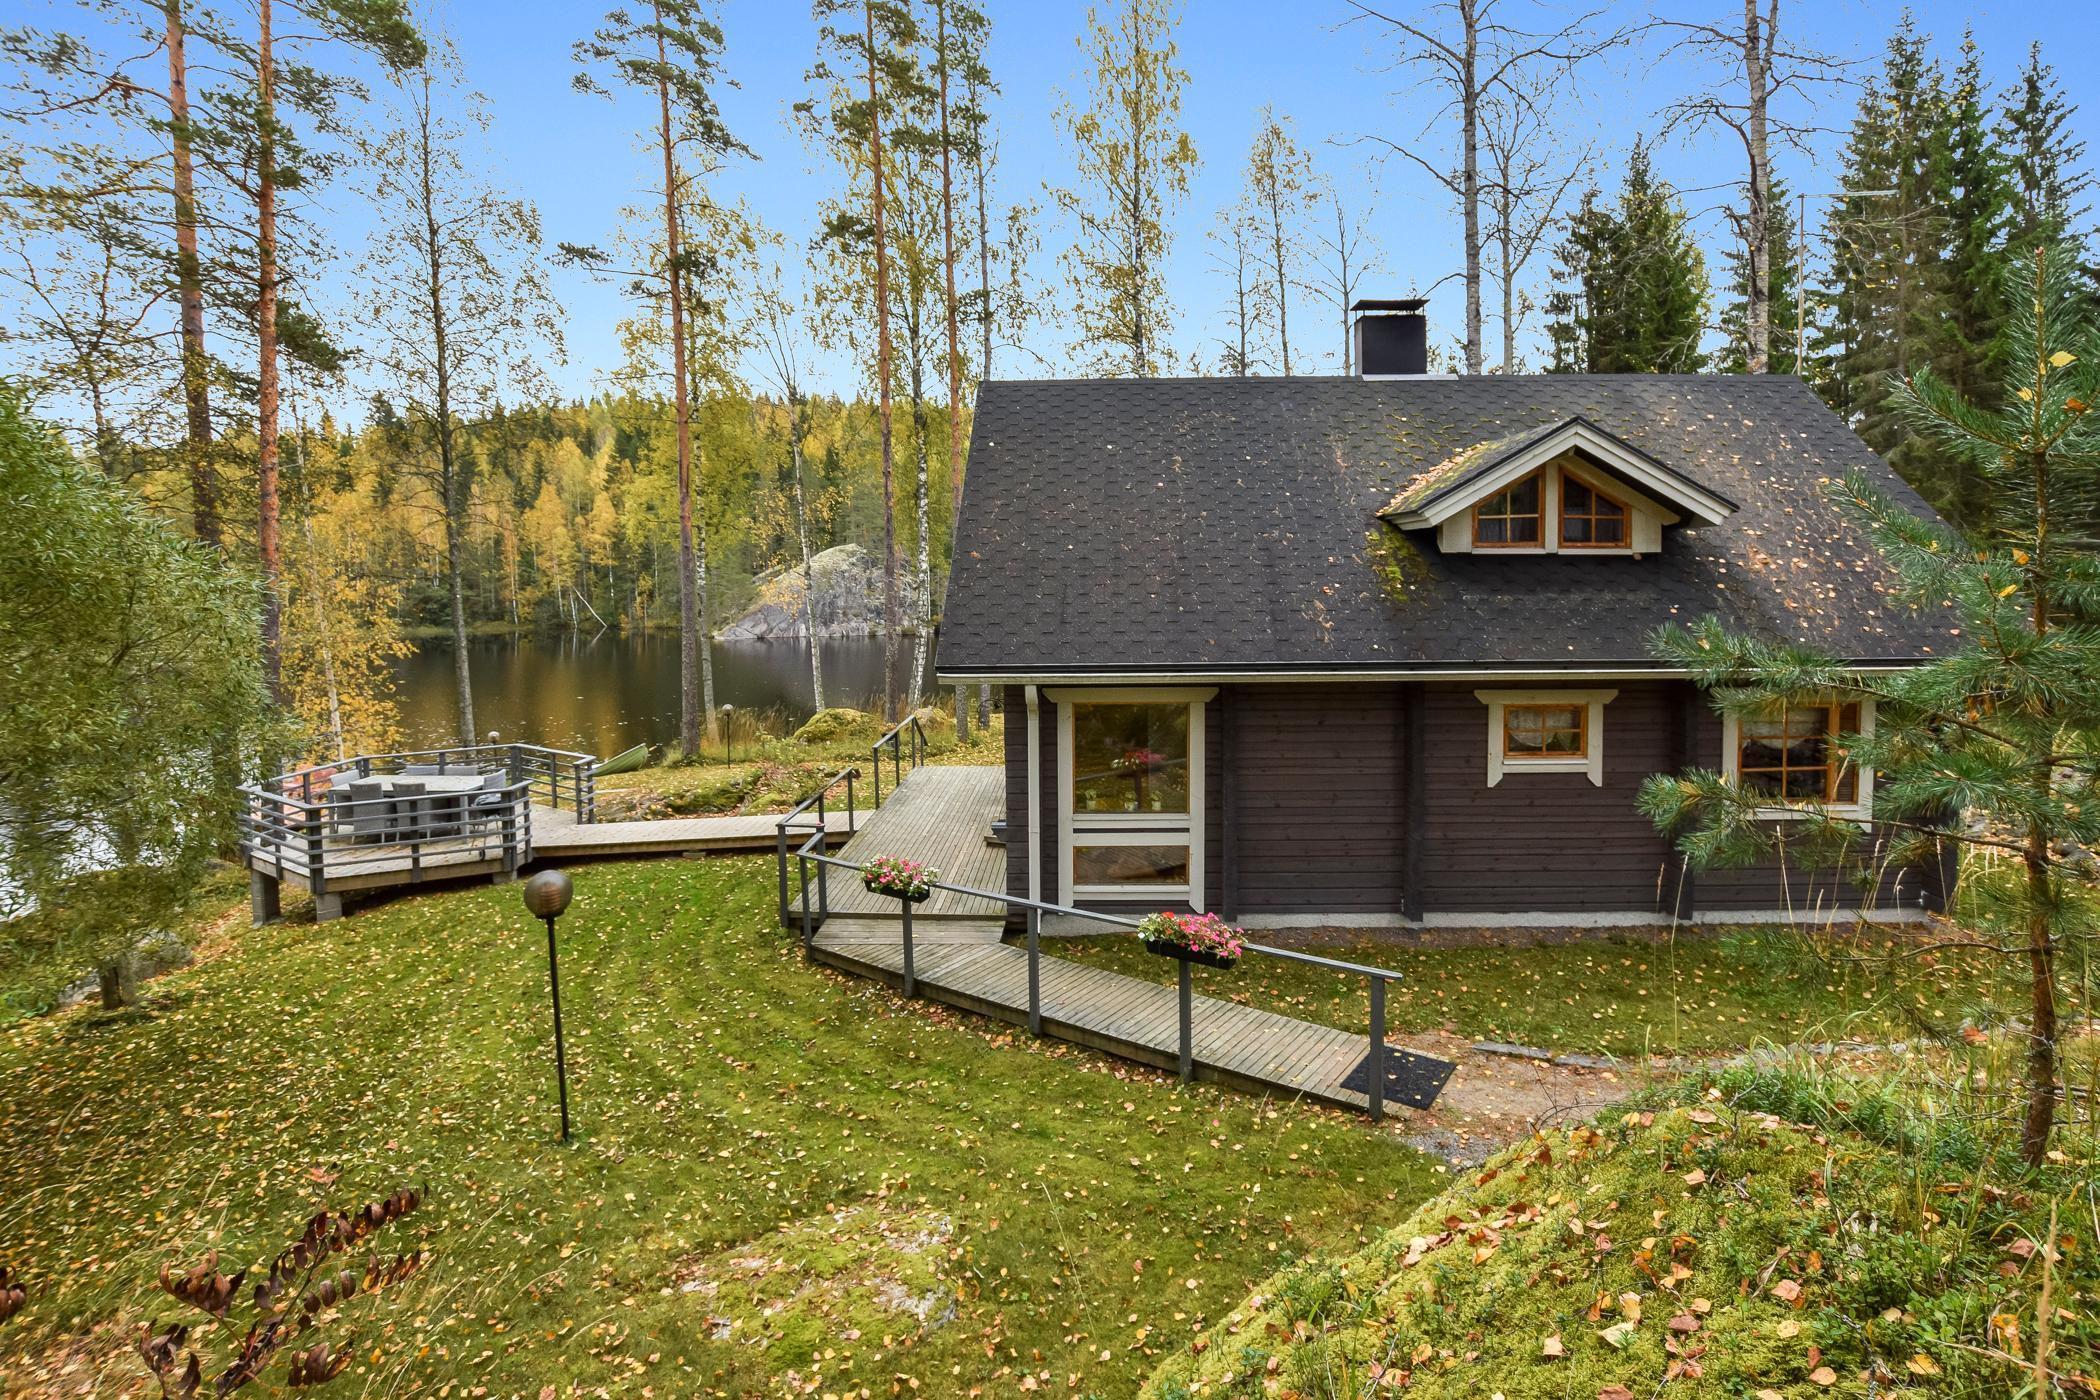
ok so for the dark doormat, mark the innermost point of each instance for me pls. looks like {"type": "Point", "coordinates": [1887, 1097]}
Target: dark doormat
{"type": "Point", "coordinates": [1411, 1079]}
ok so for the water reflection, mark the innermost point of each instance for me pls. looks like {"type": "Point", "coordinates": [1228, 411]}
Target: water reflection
{"type": "Point", "coordinates": [603, 695]}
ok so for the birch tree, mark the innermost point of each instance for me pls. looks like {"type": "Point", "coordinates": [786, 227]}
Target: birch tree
{"type": "Point", "coordinates": [672, 55]}
{"type": "Point", "coordinates": [1527, 181]}
{"type": "Point", "coordinates": [1279, 195]}
{"type": "Point", "coordinates": [1347, 255]}
{"type": "Point", "coordinates": [782, 331]}
{"type": "Point", "coordinates": [1467, 53]}
{"type": "Point", "coordinates": [1759, 68]}
{"type": "Point", "coordinates": [1131, 166]}
{"type": "Point", "coordinates": [460, 306]}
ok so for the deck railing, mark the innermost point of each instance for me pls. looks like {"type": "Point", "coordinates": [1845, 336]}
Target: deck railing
{"type": "Point", "coordinates": [786, 826]}
{"type": "Point", "coordinates": [811, 855]}
{"type": "Point", "coordinates": [327, 823]}
{"type": "Point", "coordinates": [906, 743]}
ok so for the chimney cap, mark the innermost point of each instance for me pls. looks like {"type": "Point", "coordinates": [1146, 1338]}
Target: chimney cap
{"type": "Point", "coordinates": [1390, 304]}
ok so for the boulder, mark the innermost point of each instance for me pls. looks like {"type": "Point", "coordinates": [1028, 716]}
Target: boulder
{"type": "Point", "coordinates": [848, 582]}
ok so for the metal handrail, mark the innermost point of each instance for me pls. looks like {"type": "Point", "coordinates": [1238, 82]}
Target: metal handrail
{"type": "Point", "coordinates": [895, 741]}
{"type": "Point", "coordinates": [562, 777]}
{"type": "Point", "coordinates": [1375, 977]}
{"type": "Point", "coordinates": [781, 828]}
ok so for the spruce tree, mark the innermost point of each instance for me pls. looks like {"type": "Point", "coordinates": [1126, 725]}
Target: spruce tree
{"type": "Point", "coordinates": [1641, 308]}
{"type": "Point", "coordinates": [1886, 280]}
{"type": "Point", "coordinates": [1784, 283]}
{"type": "Point", "coordinates": [2046, 162]}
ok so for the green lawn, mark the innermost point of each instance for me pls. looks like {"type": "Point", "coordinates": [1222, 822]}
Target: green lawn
{"type": "Point", "coordinates": [1696, 994]}
{"type": "Point", "coordinates": [752, 1132]}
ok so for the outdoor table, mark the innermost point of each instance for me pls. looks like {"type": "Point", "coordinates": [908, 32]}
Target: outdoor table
{"type": "Point", "coordinates": [438, 806]}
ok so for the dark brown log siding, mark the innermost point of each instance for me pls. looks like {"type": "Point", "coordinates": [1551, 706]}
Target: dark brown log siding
{"type": "Point", "coordinates": [1542, 842]}
{"type": "Point", "coordinates": [1317, 807]}
{"type": "Point", "coordinates": [1317, 810]}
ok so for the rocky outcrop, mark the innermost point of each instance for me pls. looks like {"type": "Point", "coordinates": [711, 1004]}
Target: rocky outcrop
{"type": "Point", "coordinates": [848, 583]}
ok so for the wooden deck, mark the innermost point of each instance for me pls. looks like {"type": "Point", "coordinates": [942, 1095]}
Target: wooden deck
{"type": "Point", "coordinates": [940, 816]}
{"type": "Point", "coordinates": [556, 836]}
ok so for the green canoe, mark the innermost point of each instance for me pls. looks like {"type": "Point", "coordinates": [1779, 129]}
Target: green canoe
{"type": "Point", "coordinates": [625, 762]}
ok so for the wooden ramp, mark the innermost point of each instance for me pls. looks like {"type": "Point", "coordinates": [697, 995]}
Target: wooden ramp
{"type": "Point", "coordinates": [1235, 1045]}
{"type": "Point", "coordinates": [557, 835]}
{"type": "Point", "coordinates": [940, 816]}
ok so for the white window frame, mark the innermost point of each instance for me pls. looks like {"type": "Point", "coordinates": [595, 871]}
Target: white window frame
{"type": "Point", "coordinates": [1860, 809]}
{"type": "Point", "coordinates": [1591, 763]}
{"type": "Point", "coordinates": [1131, 828]}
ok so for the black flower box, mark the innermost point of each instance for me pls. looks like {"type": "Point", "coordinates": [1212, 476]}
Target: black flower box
{"type": "Point", "coordinates": [1164, 949]}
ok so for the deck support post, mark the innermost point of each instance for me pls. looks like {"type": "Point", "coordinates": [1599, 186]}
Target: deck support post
{"type": "Point", "coordinates": [327, 908]}
{"type": "Point", "coordinates": [1035, 971]}
{"type": "Point", "coordinates": [780, 858]}
{"type": "Point", "coordinates": [1188, 1020]}
{"type": "Point", "coordinates": [1374, 1089]}
{"type": "Point", "coordinates": [264, 895]}
{"type": "Point", "coordinates": [911, 977]}
{"type": "Point", "coordinates": [809, 931]}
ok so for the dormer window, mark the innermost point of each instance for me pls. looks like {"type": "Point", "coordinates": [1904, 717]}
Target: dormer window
{"type": "Point", "coordinates": [1513, 518]}
{"type": "Point", "coordinates": [1589, 519]}
{"type": "Point", "coordinates": [1567, 486]}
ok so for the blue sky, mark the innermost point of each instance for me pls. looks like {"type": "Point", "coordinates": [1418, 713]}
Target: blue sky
{"type": "Point", "coordinates": [578, 156]}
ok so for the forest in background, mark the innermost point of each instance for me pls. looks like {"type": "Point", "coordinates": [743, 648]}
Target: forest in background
{"type": "Point", "coordinates": [178, 304]}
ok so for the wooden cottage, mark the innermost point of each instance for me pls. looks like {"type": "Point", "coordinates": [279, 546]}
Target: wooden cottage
{"type": "Point", "coordinates": [1375, 650]}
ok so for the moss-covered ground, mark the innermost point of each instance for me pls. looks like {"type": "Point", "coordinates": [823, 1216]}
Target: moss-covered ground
{"type": "Point", "coordinates": [1694, 994]}
{"type": "Point", "coordinates": [1707, 1250]}
{"type": "Point", "coordinates": [782, 1179]}
{"type": "Point", "coordinates": [765, 766]}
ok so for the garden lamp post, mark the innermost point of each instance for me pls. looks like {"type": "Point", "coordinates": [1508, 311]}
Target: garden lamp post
{"type": "Point", "coordinates": [547, 895]}
{"type": "Point", "coordinates": [728, 752]}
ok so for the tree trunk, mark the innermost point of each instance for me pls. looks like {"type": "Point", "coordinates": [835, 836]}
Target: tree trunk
{"type": "Point", "coordinates": [955, 457]}
{"type": "Point", "coordinates": [114, 980]}
{"type": "Point", "coordinates": [882, 375]}
{"type": "Point", "coordinates": [2041, 896]}
{"type": "Point", "coordinates": [455, 489]}
{"type": "Point", "coordinates": [189, 280]}
{"type": "Point", "coordinates": [266, 405]}
{"type": "Point", "coordinates": [688, 600]}
{"type": "Point", "coordinates": [1758, 316]}
{"type": "Point", "coordinates": [1469, 181]}
{"type": "Point", "coordinates": [922, 638]}
{"type": "Point", "coordinates": [809, 573]}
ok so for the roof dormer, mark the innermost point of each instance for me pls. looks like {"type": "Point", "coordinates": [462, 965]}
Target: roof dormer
{"type": "Point", "coordinates": [1565, 487]}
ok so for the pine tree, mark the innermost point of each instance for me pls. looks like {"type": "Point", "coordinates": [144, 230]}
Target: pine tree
{"type": "Point", "coordinates": [2001, 729]}
{"type": "Point", "coordinates": [1979, 211]}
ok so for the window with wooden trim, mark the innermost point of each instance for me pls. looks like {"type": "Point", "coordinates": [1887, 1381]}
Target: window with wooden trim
{"type": "Point", "coordinates": [1589, 519]}
{"type": "Point", "coordinates": [1512, 518]}
{"type": "Point", "coordinates": [1553, 730]}
{"type": "Point", "coordinates": [1792, 757]}
{"type": "Point", "coordinates": [1532, 732]}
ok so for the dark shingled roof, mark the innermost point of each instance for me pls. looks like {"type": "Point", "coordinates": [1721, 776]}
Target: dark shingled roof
{"type": "Point", "coordinates": [1155, 526]}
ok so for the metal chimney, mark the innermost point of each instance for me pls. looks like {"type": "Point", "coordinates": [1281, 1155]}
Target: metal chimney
{"type": "Point", "coordinates": [1391, 337]}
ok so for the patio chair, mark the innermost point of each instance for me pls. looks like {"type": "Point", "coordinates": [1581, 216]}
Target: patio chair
{"type": "Point", "coordinates": [367, 810]}
{"type": "Point", "coordinates": [411, 810]}
{"type": "Point", "coordinates": [423, 770]}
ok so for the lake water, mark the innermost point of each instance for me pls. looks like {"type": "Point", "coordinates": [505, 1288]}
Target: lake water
{"type": "Point", "coordinates": [604, 695]}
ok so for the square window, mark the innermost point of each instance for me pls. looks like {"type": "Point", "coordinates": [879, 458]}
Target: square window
{"type": "Point", "coordinates": [1130, 758]}
{"type": "Point", "coordinates": [1513, 517]}
{"type": "Point", "coordinates": [1544, 731]}
{"type": "Point", "coordinates": [1792, 757]}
